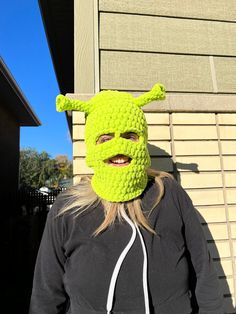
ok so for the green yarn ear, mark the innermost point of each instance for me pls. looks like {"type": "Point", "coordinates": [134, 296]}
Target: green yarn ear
{"type": "Point", "coordinates": [156, 93]}
{"type": "Point", "coordinates": [63, 103]}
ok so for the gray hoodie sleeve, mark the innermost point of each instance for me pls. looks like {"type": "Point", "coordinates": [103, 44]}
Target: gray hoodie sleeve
{"type": "Point", "coordinates": [207, 290]}
{"type": "Point", "coordinates": [48, 293]}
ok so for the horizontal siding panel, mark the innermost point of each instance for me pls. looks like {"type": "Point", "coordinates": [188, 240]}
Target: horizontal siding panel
{"type": "Point", "coordinates": [198, 163]}
{"type": "Point", "coordinates": [158, 132]}
{"type": "Point", "coordinates": [232, 213]}
{"type": "Point", "coordinates": [231, 195]}
{"type": "Point", "coordinates": [228, 132]}
{"type": "Point", "coordinates": [211, 9]}
{"type": "Point", "coordinates": [206, 197]}
{"type": "Point", "coordinates": [139, 71]}
{"type": "Point", "coordinates": [189, 148]}
{"type": "Point", "coordinates": [159, 148]}
{"type": "Point", "coordinates": [230, 179]}
{"type": "Point", "coordinates": [228, 147]}
{"type": "Point", "coordinates": [201, 180]}
{"type": "Point", "coordinates": [227, 118]}
{"type": "Point", "coordinates": [161, 34]}
{"type": "Point", "coordinates": [157, 118]}
{"type": "Point", "coordinates": [211, 214]}
{"type": "Point", "coordinates": [78, 117]}
{"type": "Point", "coordinates": [194, 132]}
{"type": "Point", "coordinates": [216, 232]}
{"type": "Point", "coordinates": [233, 230]}
{"type": "Point", "coordinates": [79, 149]}
{"type": "Point", "coordinates": [225, 69]}
{"type": "Point", "coordinates": [219, 249]}
{"type": "Point", "coordinates": [78, 132]}
{"type": "Point", "coordinates": [193, 118]}
{"type": "Point", "coordinates": [229, 162]}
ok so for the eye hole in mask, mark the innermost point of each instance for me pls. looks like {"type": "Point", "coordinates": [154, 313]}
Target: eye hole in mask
{"type": "Point", "coordinates": [127, 135]}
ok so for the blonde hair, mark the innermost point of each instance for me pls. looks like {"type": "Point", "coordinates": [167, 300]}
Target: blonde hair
{"type": "Point", "coordinates": [81, 197]}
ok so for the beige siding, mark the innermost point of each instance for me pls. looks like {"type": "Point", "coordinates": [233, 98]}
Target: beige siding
{"type": "Point", "coordinates": [226, 118]}
{"type": "Point", "coordinates": [189, 148]}
{"type": "Point", "coordinates": [210, 9]}
{"type": "Point", "coordinates": [225, 74]}
{"type": "Point", "coordinates": [232, 213]}
{"type": "Point", "coordinates": [84, 47]}
{"type": "Point", "coordinates": [228, 147]}
{"type": "Point", "coordinates": [194, 132]}
{"type": "Point", "coordinates": [212, 214]}
{"type": "Point", "coordinates": [193, 118]}
{"type": "Point", "coordinates": [201, 180]}
{"type": "Point", "coordinates": [198, 163]}
{"type": "Point", "coordinates": [139, 71]}
{"type": "Point", "coordinates": [161, 34]}
{"type": "Point", "coordinates": [158, 118]}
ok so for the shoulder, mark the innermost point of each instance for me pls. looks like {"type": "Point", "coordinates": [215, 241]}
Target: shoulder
{"type": "Point", "coordinates": [57, 221]}
{"type": "Point", "coordinates": [167, 186]}
{"type": "Point", "coordinates": [59, 204]}
{"type": "Point", "coordinates": [176, 195]}
{"type": "Point", "coordinates": [173, 187]}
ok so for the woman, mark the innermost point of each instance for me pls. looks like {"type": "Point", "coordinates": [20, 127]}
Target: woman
{"type": "Point", "coordinates": [127, 240]}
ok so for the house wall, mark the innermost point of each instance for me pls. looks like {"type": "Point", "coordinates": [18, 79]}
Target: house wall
{"type": "Point", "coordinates": [9, 147]}
{"type": "Point", "coordinates": [192, 134]}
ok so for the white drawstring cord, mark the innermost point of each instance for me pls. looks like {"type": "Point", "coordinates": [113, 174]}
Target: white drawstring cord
{"type": "Point", "coordinates": [145, 286]}
{"type": "Point", "coordinates": [119, 263]}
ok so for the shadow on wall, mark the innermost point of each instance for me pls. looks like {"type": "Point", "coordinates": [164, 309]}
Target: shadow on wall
{"type": "Point", "coordinates": [164, 162]}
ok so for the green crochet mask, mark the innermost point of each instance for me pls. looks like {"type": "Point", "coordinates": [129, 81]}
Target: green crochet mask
{"type": "Point", "coordinates": [115, 113]}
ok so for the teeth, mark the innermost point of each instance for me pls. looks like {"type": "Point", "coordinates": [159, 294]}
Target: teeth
{"type": "Point", "coordinates": [119, 161]}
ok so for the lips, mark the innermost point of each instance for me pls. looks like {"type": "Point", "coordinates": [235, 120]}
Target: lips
{"type": "Point", "coordinates": [119, 161]}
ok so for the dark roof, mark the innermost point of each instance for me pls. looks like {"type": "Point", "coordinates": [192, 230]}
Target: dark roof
{"type": "Point", "coordinates": [58, 20]}
{"type": "Point", "coordinates": [12, 98]}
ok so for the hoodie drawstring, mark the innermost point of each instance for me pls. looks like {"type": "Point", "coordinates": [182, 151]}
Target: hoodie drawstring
{"type": "Point", "coordinates": [119, 262]}
{"type": "Point", "coordinates": [145, 285]}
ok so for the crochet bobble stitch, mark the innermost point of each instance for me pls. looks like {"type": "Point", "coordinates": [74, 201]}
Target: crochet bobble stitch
{"type": "Point", "coordinates": [113, 112]}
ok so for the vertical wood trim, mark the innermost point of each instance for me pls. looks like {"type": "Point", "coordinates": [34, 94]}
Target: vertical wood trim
{"type": "Point", "coordinates": [226, 206]}
{"type": "Point", "coordinates": [84, 59]}
{"type": "Point", "coordinates": [213, 74]}
{"type": "Point", "coordinates": [96, 48]}
{"type": "Point", "coordinates": [172, 143]}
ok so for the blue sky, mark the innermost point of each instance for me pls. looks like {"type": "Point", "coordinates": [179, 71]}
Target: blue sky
{"type": "Point", "coordinates": [24, 49]}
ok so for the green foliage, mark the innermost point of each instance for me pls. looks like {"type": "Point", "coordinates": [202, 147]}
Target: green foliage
{"type": "Point", "coordinates": [38, 169]}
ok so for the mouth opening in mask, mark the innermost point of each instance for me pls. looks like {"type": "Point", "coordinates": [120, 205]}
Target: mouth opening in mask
{"type": "Point", "coordinates": [119, 161]}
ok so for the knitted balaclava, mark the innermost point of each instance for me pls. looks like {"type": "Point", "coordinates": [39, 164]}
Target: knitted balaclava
{"type": "Point", "coordinates": [116, 113]}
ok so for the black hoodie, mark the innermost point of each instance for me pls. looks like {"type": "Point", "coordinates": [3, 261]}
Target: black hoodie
{"type": "Point", "coordinates": [74, 268]}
